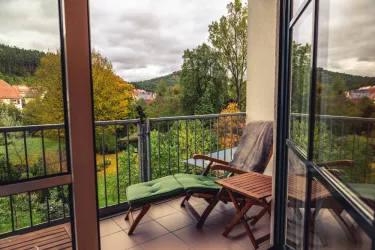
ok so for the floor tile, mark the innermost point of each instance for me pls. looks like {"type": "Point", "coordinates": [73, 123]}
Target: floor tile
{"type": "Point", "coordinates": [194, 236]}
{"type": "Point", "coordinates": [125, 224]}
{"type": "Point", "coordinates": [200, 208]}
{"type": "Point", "coordinates": [175, 221]}
{"type": "Point", "coordinates": [108, 227]}
{"type": "Point", "coordinates": [220, 243]}
{"type": "Point", "coordinates": [117, 241]}
{"type": "Point", "coordinates": [168, 241]}
{"type": "Point", "coordinates": [147, 231]}
{"type": "Point", "coordinates": [161, 210]}
{"type": "Point", "coordinates": [176, 203]}
{"type": "Point", "coordinates": [221, 219]}
{"type": "Point", "coordinates": [222, 207]}
{"type": "Point", "coordinates": [239, 236]}
{"type": "Point", "coordinates": [254, 210]}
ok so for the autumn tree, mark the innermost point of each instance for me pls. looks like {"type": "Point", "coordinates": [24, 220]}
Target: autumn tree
{"type": "Point", "coordinates": [112, 95]}
{"type": "Point", "coordinates": [229, 37]}
{"type": "Point", "coordinates": [203, 81]}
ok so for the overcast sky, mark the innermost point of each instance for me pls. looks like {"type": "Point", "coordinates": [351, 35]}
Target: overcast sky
{"type": "Point", "coordinates": [146, 38]}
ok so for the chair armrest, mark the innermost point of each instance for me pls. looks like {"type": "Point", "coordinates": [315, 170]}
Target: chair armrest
{"type": "Point", "coordinates": [207, 158]}
{"type": "Point", "coordinates": [227, 168]}
{"type": "Point", "coordinates": [338, 163]}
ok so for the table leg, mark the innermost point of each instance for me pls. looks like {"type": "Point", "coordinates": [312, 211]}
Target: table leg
{"type": "Point", "coordinates": [240, 216]}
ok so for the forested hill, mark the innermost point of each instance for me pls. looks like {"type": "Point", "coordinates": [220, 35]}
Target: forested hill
{"type": "Point", "coordinates": [18, 65]}
{"type": "Point", "coordinates": [351, 81]}
{"type": "Point", "coordinates": [150, 85]}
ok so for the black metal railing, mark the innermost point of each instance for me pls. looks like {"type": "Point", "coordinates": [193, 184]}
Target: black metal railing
{"type": "Point", "coordinates": [127, 152]}
{"type": "Point", "coordinates": [340, 138]}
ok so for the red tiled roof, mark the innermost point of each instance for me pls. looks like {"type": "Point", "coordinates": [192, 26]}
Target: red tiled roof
{"type": "Point", "coordinates": [8, 92]}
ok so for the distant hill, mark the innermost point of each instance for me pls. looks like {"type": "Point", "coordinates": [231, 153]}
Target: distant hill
{"type": "Point", "coordinates": [150, 85]}
{"type": "Point", "coordinates": [351, 81]}
{"type": "Point", "coordinates": [18, 65]}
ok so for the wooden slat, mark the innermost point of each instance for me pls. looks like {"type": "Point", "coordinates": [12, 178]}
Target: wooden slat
{"type": "Point", "coordinates": [56, 237]}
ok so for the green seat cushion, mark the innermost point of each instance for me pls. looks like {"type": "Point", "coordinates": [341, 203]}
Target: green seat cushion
{"type": "Point", "coordinates": [152, 191]}
{"type": "Point", "coordinates": [198, 183]}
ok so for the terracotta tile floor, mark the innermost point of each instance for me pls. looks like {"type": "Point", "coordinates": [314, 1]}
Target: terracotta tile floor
{"type": "Point", "coordinates": [169, 226]}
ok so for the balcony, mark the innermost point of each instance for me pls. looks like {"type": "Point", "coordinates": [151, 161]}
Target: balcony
{"type": "Point", "coordinates": [142, 152]}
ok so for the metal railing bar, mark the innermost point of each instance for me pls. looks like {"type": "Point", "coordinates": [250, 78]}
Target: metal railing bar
{"type": "Point", "coordinates": [231, 137]}
{"type": "Point", "coordinates": [195, 143]}
{"type": "Point", "coordinates": [63, 200]}
{"type": "Point", "coordinates": [104, 167]}
{"type": "Point", "coordinates": [366, 159]}
{"type": "Point", "coordinates": [11, 211]}
{"type": "Point", "coordinates": [127, 146]}
{"type": "Point", "coordinates": [178, 146]}
{"type": "Point", "coordinates": [7, 155]}
{"type": "Point", "coordinates": [203, 141]}
{"type": "Point", "coordinates": [60, 155]}
{"type": "Point", "coordinates": [194, 117]}
{"type": "Point", "coordinates": [48, 213]}
{"type": "Point", "coordinates": [169, 149]}
{"type": "Point", "coordinates": [210, 137]}
{"type": "Point", "coordinates": [339, 118]}
{"type": "Point", "coordinates": [30, 210]}
{"type": "Point", "coordinates": [187, 146]}
{"type": "Point", "coordinates": [217, 135]}
{"type": "Point", "coordinates": [26, 157]}
{"type": "Point", "coordinates": [225, 138]}
{"type": "Point", "coordinates": [117, 173]}
{"type": "Point", "coordinates": [159, 149]}
{"type": "Point", "coordinates": [44, 154]}
{"type": "Point", "coordinates": [355, 131]}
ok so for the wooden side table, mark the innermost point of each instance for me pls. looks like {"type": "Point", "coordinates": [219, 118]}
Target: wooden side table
{"type": "Point", "coordinates": [254, 188]}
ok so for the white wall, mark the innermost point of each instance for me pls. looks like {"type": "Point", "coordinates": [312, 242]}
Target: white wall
{"type": "Point", "coordinates": [262, 62]}
{"type": "Point", "coordinates": [261, 59]}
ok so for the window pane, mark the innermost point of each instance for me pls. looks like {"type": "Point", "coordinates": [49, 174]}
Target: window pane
{"type": "Point", "coordinates": [345, 109]}
{"type": "Point", "coordinates": [296, 201]}
{"type": "Point", "coordinates": [301, 79]}
{"type": "Point", "coordinates": [296, 4]}
{"type": "Point", "coordinates": [332, 227]}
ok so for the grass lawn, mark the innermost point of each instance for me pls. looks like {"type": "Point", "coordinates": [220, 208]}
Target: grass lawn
{"type": "Point", "coordinates": [16, 149]}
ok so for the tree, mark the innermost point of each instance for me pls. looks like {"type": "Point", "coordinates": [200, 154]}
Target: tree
{"type": "Point", "coordinates": [203, 81]}
{"type": "Point", "coordinates": [112, 95]}
{"type": "Point", "coordinates": [229, 37]}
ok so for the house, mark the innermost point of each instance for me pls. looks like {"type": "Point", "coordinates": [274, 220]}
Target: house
{"type": "Point", "coordinates": [142, 94]}
{"type": "Point", "coordinates": [27, 93]}
{"type": "Point", "coordinates": [10, 94]}
{"type": "Point", "coordinates": [357, 94]}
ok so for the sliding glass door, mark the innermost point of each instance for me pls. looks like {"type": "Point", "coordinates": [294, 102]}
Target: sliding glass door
{"type": "Point", "coordinates": [330, 77]}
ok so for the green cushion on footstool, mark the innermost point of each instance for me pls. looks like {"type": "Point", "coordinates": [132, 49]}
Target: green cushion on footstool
{"type": "Point", "coordinates": [151, 191]}
{"type": "Point", "coordinates": [198, 183]}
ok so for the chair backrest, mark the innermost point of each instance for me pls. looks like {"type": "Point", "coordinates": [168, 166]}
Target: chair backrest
{"type": "Point", "coordinates": [255, 147]}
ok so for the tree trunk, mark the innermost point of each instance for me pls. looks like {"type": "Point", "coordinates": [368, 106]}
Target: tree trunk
{"type": "Point", "coordinates": [238, 88]}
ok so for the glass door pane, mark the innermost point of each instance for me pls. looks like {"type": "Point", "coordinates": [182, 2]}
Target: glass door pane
{"type": "Point", "coordinates": [301, 80]}
{"type": "Point", "coordinates": [33, 136]}
{"type": "Point", "coordinates": [344, 118]}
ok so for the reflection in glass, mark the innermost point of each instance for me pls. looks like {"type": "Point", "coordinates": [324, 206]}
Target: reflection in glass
{"type": "Point", "coordinates": [331, 225]}
{"type": "Point", "coordinates": [296, 201]}
{"type": "Point", "coordinates": [346, 88]}
{"type": "Point", "coordinates": [296, 4]}
{"type": "Point", "coordinates": [301, 79]}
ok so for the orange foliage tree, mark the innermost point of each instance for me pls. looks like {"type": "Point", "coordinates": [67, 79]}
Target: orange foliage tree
{"type": "Point", "coordinates": [230, 127]}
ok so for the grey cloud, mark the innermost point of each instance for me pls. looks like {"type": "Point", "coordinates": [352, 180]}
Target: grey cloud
{"type": "Point", "coordinates": [346, 37]}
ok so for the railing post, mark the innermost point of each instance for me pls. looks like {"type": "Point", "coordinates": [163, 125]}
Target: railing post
{"type": "Point", "coordinates": [147, 153]}
{"type": "Point", "coordinates": [142, 152]}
